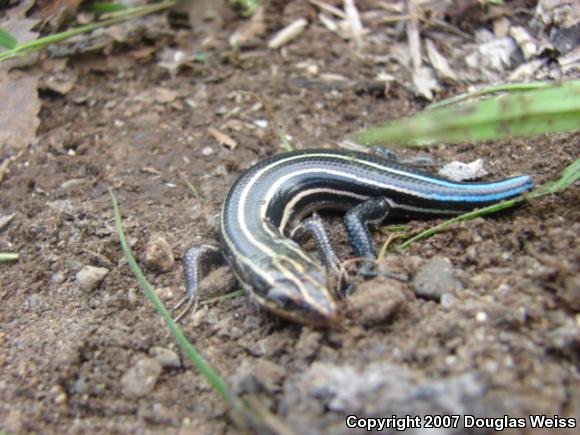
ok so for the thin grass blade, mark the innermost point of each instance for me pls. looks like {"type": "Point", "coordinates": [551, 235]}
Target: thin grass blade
{"type": "Point", "coordinates": [8, 256]}
{"type": "Point", "coordinates": [569, 176]}
{"type": "Point", "coordinates": [258, 420]}
{"type": "Point", "coordinates": [105, 7]}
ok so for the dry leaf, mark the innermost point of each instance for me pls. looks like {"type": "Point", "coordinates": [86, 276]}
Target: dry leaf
{"type": "Point", "coordinates": [438, 62]}
{"type": "Point", "coordinates": [20, 106]}
{"type": "Point", "coordinates": [525, 41]}
{"type": "Point", "coordinates": [55, 12]}
{"type": "Point", "coordinates": [20, 10]}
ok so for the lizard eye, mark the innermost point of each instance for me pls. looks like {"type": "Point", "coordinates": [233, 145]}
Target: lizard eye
{"type": "Point", "coordinates": [281, 297]}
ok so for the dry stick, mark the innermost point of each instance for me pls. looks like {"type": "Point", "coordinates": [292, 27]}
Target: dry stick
{"type": "Point", "coordinates": [413, 37]}
{"type": "Point", "coordinates": [353, 18]}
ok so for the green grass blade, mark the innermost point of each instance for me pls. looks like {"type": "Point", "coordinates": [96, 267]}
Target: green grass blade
{"type": "Point", "coordinates": [246, 7]}
{"type": "Point", "coordinates": [569, 176]}
{"type": "Point", "coordinates": [7, 40]}
{"type": "Point", "coordinates": [210, 374]}
{"type": "Point", "coordinates": [188, 348]}
{"type": "Point", "coordinates": [105, 7]}
{"type": "Point", "coordinates": [38, 44]}
{"type": "Point", "coordinates": [544, 110]}
{"type": "Point", "coordinates": [8, 256]}
{"type": "Point", "coordinates": [193, 189]}
{"type": "Point", "coordinates": [464, 217]}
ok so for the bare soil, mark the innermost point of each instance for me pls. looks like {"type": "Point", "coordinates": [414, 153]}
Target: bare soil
{"type": "Point", "coordinates": [505, 343]}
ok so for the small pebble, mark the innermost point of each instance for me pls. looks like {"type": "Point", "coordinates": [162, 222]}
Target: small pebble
{"type": "Point", "coordinates": [373, 304]}
{"type": "Point", "coordinates": [158, 255]}
{"type": "Point", "coordinates": [166, 357]}
{"type": "Point", "coordinates": [435, 278]}
{"type": "Point", "coordinates": [448, 300]}
{"type": "Point", "coordinates": [57, 277]}
{"type": "Point", "coordinates": [90, 277]}
{"type": "Point", "coordinates": [132, 296]}
{"type": "Point", "coordinates": [34, 302]}
{"type": "Point", "coordinates": [256, 376]}
{"type": "Point", "coordinates": [59, 395]}
{"type": "Point", "coordinates": [140, 379]}
{"type": "Point", "coordinates": [207, 151]}
{"type": "Point", "coordinates": [309, 343]}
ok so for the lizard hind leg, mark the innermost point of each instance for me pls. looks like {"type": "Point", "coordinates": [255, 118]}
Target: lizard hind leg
{"type": "Point", "coordinates": [194, 259]}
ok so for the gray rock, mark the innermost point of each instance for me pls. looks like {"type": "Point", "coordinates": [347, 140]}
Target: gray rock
{"type": "Point", "coordinates": [140, 379]}
{"type": "Point", "coordinates": [90, 277]}
{"type": "Point", "coordinates": [257, 376]}
{"type": "Point", "coordinates": [166, 357]}
{"type": "Point", "coordinates": [322, 397]}
{"type": "Point", "coordinates": [435, 278]}
{"type": "Point", "coordinates": [375, 302]}
{"type": "Point", "coordinates": [58, 277]}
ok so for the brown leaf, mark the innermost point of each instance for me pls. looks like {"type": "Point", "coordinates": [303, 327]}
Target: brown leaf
{"type": "Point", "coordinates": [19, 105]}
{"type": "Point", "coordinates": [55, 12]}
{"type": "Point", "coordinates": [20, 10]}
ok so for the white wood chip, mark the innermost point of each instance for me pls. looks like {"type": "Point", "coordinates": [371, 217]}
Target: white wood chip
{"type": "Point", "coordinates": [328, 22]}
{"type": "Point", "coordinates": [525, 41]}
{"type": "Point", "coordinates": [413, 37]}
{"type": "Point", "coordinates": [459, 171]}
{"type": "Point", "coordinates": [438, 62]}
{"type": "Point", "coordinates": [425, 82]}
{"type": "Point", "coordinates": [353, 19]}
{"type": "Point", "coordinates": [332, 77]}
{"type": "Point", "coordinates": [328, 8]}
{"type": "Point", "coordinates": [287, 34]}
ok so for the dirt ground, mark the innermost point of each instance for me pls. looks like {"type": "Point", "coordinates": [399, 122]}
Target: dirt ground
{"type": "Point", "coordinates": [504, 340]}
